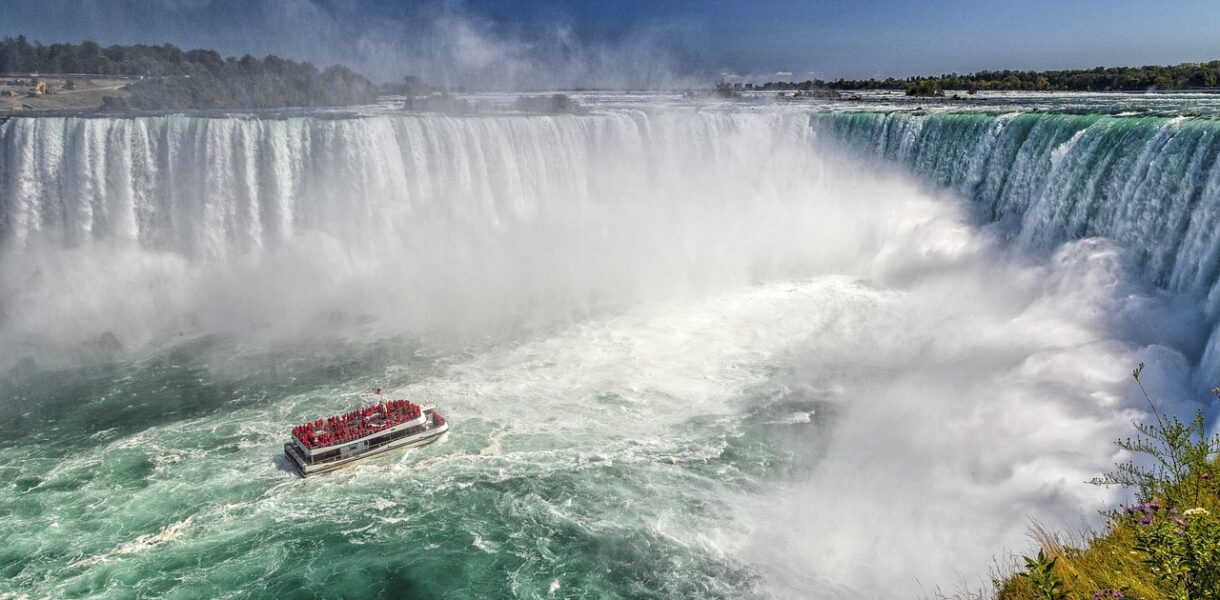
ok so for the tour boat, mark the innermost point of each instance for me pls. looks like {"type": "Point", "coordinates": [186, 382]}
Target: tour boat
{"type": "Point", "coordinates": [327, 444]}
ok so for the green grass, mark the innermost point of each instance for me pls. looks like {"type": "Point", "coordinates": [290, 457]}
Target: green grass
{"type": "Point", "coordinates": [1111, 560]}
{"type": "Point", "coordinates": [1108, 561]}
{"type": "Point", "coordinates": [1168, 546]}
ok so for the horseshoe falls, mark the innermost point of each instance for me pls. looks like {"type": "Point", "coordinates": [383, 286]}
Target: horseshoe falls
{"type": "Point", "coordinates": [1149, 183]}
{"type": "Point", "coordinates": [687, 349]}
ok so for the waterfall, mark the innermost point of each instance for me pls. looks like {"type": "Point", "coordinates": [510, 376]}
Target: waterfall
{"type": "Point", "coordinates": [658, 306]}
{"type": "Point", "coordinates": [216, 187]}
{"type": "Point", "coordinates": [1150, 183]}
{"type": "Point", "coordinates": [212, 188]}
{"type": "Point", "coordinates": [530, 209]}
{"type": "Point", "coordinates": [439, 218]}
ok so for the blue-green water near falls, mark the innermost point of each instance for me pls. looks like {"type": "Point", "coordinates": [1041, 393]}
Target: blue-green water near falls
{"type": "Point", "coordinates": [688, 349]}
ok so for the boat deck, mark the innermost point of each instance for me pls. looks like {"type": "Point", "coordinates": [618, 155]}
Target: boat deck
{"type": "Point", "coordinates": [327, 444]}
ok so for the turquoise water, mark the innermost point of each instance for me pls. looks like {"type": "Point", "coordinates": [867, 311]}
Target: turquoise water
{"type": "Point", "coordinates": [161, 477]}
{"type": "Point", "coordinates": [687, 349]}
{"type": "Point", "coordinates": [1150, 183]}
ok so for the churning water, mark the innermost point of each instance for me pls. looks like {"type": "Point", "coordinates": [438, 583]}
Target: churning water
{"type": "Point", "coordinates": [687, 350]}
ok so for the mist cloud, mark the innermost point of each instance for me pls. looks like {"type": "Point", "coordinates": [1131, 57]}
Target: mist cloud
{"type": "Point", "coordinates": [445, 43]}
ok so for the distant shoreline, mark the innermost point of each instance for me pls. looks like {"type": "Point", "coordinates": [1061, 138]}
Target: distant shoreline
{"type": "Point", "coordinates": [69, 105]}
{"type": "Point", "coordinates": [73, 93]}
{"type": "Point", "coordinates": [1185, 76]}
{"type": "Point", "coordinates": [144, 77]}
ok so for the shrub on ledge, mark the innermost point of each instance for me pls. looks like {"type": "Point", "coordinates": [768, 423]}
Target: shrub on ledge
{"type": "Point", "coordinates": [1165, 546]}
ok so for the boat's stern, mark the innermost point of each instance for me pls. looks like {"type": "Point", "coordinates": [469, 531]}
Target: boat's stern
{"type": "Point", "coordinates": [298, 462]}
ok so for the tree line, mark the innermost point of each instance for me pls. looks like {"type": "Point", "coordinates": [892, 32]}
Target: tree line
{"type": "Point", "coordinates": [1098, 79]}
{"type": "Point", "coordinates": [171, 78]}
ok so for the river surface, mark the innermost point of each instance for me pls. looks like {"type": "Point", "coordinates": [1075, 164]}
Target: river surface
{"type": "Point", "coordinates": [764, 348]}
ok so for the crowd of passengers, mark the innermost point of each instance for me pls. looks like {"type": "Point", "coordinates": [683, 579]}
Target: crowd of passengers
{"type": "Point", "coordinates": [355, 424]}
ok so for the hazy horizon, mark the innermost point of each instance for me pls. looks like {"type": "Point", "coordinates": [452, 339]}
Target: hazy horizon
{"type": "Point", "coordinates": [532, 44]}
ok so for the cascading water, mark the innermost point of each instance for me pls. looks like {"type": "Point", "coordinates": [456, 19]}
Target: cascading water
{"type": "Point", "coordinates": [1150, 183]}
{"type": "Point", "coordinates": [440, 214]}
{"type": "Point", "coordinates": [686, 351]}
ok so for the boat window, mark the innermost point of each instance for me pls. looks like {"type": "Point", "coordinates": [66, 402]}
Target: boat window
{"type": "Point", "coordinates": [324, 456]}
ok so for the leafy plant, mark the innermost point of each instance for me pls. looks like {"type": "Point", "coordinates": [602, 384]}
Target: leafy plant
{"type": "Point", "coordinates": [1180, 453]}
{"type": "Point", "coordinates": [1179, 539]}
{"type": "Point", "coordinates": [1041, 574]}
{"type": "Point", "coordinates": [1182, 550]}
{"type": "Point", "coordinates": [1166, 546]}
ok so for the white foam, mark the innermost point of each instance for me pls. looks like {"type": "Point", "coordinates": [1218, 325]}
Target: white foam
{"type": "Point", "coordinates": [143, 543]}
{"type": "Point", "coordinates": [633, 282]}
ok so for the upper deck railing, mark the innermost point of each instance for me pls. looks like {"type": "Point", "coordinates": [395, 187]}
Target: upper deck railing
{"type": "Point", "coordinates": [433, 423]}
{"type": "Point", "coordinates": [355, 425]}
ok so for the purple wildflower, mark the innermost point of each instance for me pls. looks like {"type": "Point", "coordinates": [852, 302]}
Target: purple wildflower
{"type": "Point", "coordinates": [1146, 521]}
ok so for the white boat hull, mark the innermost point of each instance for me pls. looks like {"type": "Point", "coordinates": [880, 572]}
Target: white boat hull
{"type": "Point", "coordinates": [422, 438]}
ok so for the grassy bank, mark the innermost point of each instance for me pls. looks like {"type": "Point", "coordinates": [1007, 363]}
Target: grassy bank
{"type": "Point", "coordinates": [1167, 545]}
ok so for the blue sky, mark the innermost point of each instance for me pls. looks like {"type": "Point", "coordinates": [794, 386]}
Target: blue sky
{"type": "Point", "coordinates": [639, 42]}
